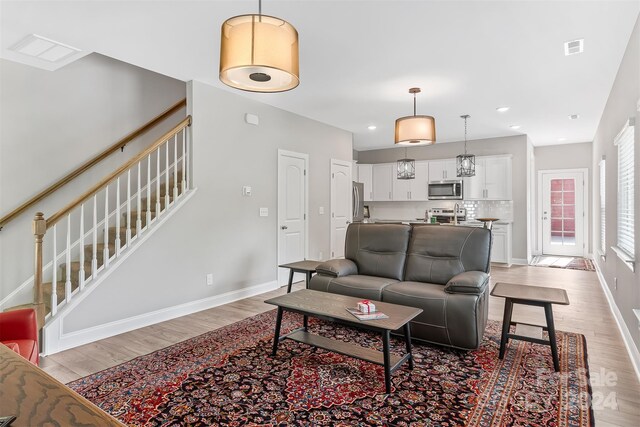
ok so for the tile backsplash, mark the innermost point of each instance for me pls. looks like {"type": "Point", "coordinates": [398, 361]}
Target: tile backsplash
{"type": "Point", "coordinates": [502, 209]}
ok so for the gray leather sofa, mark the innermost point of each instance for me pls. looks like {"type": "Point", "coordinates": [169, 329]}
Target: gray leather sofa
{"type": "Point", "coordinates": [443, 270]}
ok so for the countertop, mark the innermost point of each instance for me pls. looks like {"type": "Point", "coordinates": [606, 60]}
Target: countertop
{"type": "Point", "coordinates": [470, 223]}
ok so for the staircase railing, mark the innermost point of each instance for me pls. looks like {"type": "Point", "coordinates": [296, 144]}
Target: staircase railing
{"type": "Point", "coordinates": [109, 216]}
{"type": "Point", "coordinates": [91, 162]}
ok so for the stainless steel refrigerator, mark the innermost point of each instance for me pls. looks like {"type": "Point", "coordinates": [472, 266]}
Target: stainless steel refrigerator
{"type": "Point", "coordinates": [358, 201]}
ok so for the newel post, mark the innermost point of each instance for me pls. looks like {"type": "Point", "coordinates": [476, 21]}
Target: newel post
{"type": "Point", "coordinates": [39, 229]}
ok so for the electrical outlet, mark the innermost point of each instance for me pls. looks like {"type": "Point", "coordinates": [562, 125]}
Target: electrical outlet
{"type": "Point", "coordinates": [264, 211]}
{"type": "Point", "coordinates": [321, 210]}
{"type": "Point", "coordinates": [209, 279]}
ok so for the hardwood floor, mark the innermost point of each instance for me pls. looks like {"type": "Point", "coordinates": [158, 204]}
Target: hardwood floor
{"type": "Point", "coordinates": [616, 391]}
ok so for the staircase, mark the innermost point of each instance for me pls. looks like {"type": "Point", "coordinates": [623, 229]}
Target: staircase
{"type": "Point", "coordinates": [77, 247]}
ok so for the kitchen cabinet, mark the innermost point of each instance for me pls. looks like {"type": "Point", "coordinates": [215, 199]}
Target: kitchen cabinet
{"type": "Point", "coordinates": [492, 180]}
{"type": "Point", "coordinates": [365, 176]}
{"type": "Point", "coordinates": [441, 170]}
{"type": "Point", "coordinates": [383, 177]}
{"type": "Point", "coordinates": [501, 249]}
{"type": "Point", "coordinates": [411, 189]}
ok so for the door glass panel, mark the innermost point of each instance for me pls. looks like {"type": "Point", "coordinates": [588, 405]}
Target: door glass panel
{"type": "Point", "coordinates": [563, 221]}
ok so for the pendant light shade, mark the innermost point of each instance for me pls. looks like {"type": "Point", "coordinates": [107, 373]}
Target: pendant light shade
{"type": "Point", "coordinates": [465, 163]}
{"type": "Point", "coordinates": [259, 53]}
{"type": "Point", "coordinates": [415, 130]}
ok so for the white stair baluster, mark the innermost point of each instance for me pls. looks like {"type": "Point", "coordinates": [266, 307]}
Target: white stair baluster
{"type": "Point", "coordinates": [175, 167]}
{"type": "Point", "coordinates": [158, 175]}
{"type": "Point", "coordinates": [117, 240]}
{"type": "Point", "coordinates": [81, 273]}
{"type": "Point", "coordinates": [139, 205]}
{"type": "Point", "coordinates": [148, 190]}
{"type": "Point", "coordinates": [186, 155]}
{"type": "Point", "coordinates": [94, 246]}
{"type": "Point", "coordinates": [105, 251]}
{"type": "Point", "coordinates": [167, 182]}
{"type": "Point", "coordinates": [67, 283]}
{"type": "Point", "coordinates": [54, 269]}
{"type": "Point", "coordinates": [128, 207]}
{"type": "Point", "coordinates": [184, 159]}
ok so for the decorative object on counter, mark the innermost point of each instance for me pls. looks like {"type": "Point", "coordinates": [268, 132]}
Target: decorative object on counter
{"type": "Point", "coordinates": [415, 130]}
{"type": "Point", "coordinates": [406, 167]}
{"type": "Point", "coordinates": [259, 53]}
{"type": "Point", "coordinates": [488, 222]}
{"type": "Point", "coordinates": [466, 163]}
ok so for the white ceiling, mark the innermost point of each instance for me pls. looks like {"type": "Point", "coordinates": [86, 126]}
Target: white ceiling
{"type": "Point", "coordinates": [359, 58]}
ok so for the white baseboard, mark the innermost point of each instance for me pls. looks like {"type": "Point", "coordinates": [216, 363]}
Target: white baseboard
{"type": "Point", "coordinates": [634, 354]}
{"type": "Point", "coordinates": [59, 341]}
{"type": "Point", "coordinates": [520, 261]}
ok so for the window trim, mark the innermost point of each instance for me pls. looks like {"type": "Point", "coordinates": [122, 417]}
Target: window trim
{"type": "Point", "coordinates": [603, 204]}
{"type": "Point", "coordinates": [624, 255]}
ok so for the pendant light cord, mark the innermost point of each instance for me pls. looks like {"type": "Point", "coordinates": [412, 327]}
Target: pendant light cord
{"type": "Point", "coordinates": [414, 103]}
{"type": "Point", "coordinates": [260, 7]}
{"type": "Point", "coordinates": [465, 136]}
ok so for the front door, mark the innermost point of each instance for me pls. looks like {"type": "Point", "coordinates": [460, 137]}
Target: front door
{"type": "Point", "coordinates": [292, 210]}
{"type": "Point", "coordinates": [563, 213]}
{"type": "Point", "coordinates": [341, 205]}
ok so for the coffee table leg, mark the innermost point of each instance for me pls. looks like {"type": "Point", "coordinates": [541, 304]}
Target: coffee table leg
{"type": "Point", "coordinates": [305, 322]}
{"type": "Point", "coordinates": [552, 336]}
{"type": "Point", "coordinates": [308, 279]}
{"type": "Point", "coordinates": [276, 336]}
{"type": "Point", "coordinates": [290, 280]}
{"type": "Point", "coordinates": [387, 361]}
{"type": "Point", "coordinates": [506, 324]}
{"type": "Point", "coordinates": [407, 338]}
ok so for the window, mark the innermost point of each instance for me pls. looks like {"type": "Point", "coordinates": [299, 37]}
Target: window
{"type": "Point", "coordinates": [625, 242]}
{"type": "Point", "coordinates": [603, 203]}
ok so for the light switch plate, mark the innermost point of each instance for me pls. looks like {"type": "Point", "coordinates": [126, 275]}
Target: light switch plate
{"type": "Point", "coordinates": [321, 210]}
{"type": "Point", "coordinates": [264, 211]}
{"type": "Point", "coordinates": [246, 191]}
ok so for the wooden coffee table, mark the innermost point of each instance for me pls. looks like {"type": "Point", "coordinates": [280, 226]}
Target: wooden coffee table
{"type": "Point", "coordinates": [332, 307]}
{"type": "Point", "coordinates": [530, 295]}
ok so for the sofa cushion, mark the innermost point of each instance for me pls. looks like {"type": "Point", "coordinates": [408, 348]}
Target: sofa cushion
{"type": "Point", "coordinates": [378, 249]}
{"type": "Point", "coordinates": [366, 287]}
{"type": "Point", "coordinates": [337, 267]}
{"type": "Point", "coordinates": [468, 282]}
{"type": "Point", "coordinates": [436, 254]}
{"type": "Point", "coordinates": [431, 298]}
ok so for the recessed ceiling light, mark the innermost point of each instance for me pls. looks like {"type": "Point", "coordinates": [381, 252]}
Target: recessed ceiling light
{"type": "Point", "coordinates": [562, 139]}
{"type": "Point", "coordinates": [502, 109]}
{"type": "Point", "coordinates": [44, 48]}
{"type": "Point", "coordinates": [514, 127]}
{"type": "Point", "coordinates": [574, 116]}
{"type": "Point", "coordinates": [372, 127]}
{"type": "Point", "coordinates": [574, 46]}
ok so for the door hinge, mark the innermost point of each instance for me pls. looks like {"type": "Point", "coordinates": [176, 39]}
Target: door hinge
{"type": "Point", "coordinates": [304, 216]}
{"type": "Point", "coordinates": [305, 172]}
{"type": "Point", "coordinates": [333, 175]}
{"type": "Point", "coordinates": [333, 215]}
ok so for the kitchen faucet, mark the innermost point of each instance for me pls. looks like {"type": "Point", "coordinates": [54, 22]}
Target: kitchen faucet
{"type": "Point", "coordinates": [455, 214]}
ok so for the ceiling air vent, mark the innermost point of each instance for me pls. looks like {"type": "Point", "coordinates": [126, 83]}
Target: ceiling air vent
{"type": "Point", "coordinates": [573, 47]}
{"type": "Point", "coordinates": [44, 48]}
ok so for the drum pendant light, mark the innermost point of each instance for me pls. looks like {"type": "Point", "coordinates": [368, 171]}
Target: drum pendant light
{"type": "Point", "coordinates": [415, 130]}
{"type": "Point", "coordinates": [466, 163]}
{"type": "Point", "coordinates": [259, 53]}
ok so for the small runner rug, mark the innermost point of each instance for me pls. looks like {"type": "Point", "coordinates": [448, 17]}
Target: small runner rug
{"type": "Point", "coordinates": [564, 262]}
{"type": "Point", "coordinates": [228, 377]}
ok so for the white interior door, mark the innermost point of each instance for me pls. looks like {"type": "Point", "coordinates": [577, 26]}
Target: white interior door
{"type": "Point", "coordinates": [341, 205]}
{"type": "Point", "coordinates": [563, 213]}
{"type": "Point", "coordinates": [292, 210]}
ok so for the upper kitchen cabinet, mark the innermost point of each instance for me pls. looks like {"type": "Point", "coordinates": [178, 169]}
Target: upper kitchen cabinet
{"type": "Point", "coordinates": [383, 177]}
{"type": "Point", "coordinates": [411, 189]}
{"type": "Point", "coordinates": [365, 176]}
{"type": "Point", "coordinates": [492, 180]}
{"type": "Point", "coordinates": [442, 170]}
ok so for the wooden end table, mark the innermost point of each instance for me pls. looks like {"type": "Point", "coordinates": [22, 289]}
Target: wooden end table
{"type": "Point", "coordinates": [538, 296]}
{"type": "Point", "coordinates": [307, 267]}
{"type": "Point", "coordinates": [333, 308]}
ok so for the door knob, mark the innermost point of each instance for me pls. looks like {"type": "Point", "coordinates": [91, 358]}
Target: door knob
{"type": "Point", "coordinates": [284, 227]}
{"type": "Point", "coordinates": [348, 222]}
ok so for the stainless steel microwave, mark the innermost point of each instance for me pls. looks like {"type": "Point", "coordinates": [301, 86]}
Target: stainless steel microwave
{"type": "Point", "coordinates": [445, 190]}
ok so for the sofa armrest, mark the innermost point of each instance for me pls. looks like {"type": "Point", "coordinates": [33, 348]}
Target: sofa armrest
{"type": "Point", "coordinates": [337, 268]}
{"type": "Point", "coordinates": [469, 282]}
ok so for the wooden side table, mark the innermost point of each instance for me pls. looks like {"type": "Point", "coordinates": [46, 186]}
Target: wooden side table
{"type": "Point", "coordinates": [530, 295]}
{"type": "Point", "coordinates": [308, 267]}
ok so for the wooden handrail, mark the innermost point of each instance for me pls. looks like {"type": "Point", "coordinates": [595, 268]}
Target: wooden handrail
{"type": "Point", "coordinates": [106, 180]}
{"type": "Point", "coordinates": [90, 163]}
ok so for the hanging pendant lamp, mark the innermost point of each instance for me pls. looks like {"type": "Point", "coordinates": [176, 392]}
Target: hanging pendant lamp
{"type": "Point", "coordinates": [415, 130]}
{"type": "Point", "coordinates": [259, 53]}
{"type": "Point", "coordinates": [466, 163]}
{"type": "Point", "coordinates": [406, 167]}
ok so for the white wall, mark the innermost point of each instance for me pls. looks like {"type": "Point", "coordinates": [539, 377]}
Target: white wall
{"type": "Point", "coordinates": [514, 145]}
{"type": "Point", "coordinates": [51, 122]}
{"type": "Point", "coordinates": [623, 103]}
{"type": "Point", "coordinates": [219, 231]}
{"type": "Point", "coordinates": [565, 156]}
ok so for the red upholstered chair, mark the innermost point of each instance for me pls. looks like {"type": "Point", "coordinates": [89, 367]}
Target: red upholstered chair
{"type": "Point", "coordinates": [19, 331]}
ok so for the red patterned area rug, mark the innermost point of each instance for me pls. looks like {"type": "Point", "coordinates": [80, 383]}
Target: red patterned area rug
{"type": "Point", "coordinates": [228, 377]}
